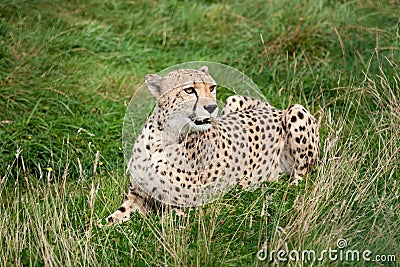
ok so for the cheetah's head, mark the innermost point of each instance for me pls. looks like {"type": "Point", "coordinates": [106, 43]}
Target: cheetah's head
{"type": "Point", "coordinates": [185, 98]}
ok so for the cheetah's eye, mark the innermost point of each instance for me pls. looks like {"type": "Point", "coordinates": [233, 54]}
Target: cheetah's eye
{"type": "Point", "coordinates": [189, 90]}
{"type": "Point", "coordinates": [212, 88]}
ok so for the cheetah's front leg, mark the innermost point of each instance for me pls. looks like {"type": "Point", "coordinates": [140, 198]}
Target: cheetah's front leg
{"type": "Point", "coordinates": [135, 201]}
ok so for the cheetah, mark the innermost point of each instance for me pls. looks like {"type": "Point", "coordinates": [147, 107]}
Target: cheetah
{"type": "Point", "coordinates": [187, 155]}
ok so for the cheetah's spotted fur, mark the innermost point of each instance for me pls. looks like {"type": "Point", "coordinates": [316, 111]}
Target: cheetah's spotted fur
{"type": "Point", "coordinates": [184, 146]}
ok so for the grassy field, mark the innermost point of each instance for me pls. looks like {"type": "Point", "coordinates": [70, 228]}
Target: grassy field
{"type": "Point", "coordinates": [68, 70]}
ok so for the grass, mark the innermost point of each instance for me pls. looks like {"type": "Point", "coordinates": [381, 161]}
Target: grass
{"type": "Point", "coordinates": [69, 68]}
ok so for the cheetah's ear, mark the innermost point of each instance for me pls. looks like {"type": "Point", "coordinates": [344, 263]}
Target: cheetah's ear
{"type": "Point", "coordinates": [204, 69]}
{"type": "Point", "coordinates": [153, 82]}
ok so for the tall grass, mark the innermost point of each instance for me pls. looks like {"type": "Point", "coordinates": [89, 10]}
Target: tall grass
{"type": "Point", "coordinates": [68, 70]}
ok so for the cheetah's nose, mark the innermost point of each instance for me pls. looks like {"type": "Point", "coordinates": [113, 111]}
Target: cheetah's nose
{"type": "Point", "coordinates": [210, 108]}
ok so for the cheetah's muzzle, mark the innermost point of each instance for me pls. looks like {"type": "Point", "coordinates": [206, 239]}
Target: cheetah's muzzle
{"type": "Point", "coordinates": [202, 121]}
